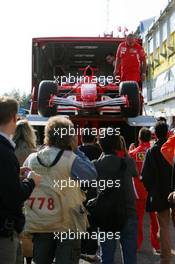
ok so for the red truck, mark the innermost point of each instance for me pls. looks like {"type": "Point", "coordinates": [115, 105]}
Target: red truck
{"type": "Point", "coordinates": [70, 76]}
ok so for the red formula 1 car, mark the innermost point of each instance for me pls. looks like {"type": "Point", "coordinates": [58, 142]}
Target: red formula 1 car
{"type": "Point", "coordinates": [70, 76]}
{"type": "Point", "coordinates": [88, 97]}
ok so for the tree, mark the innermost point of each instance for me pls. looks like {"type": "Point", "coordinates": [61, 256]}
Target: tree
{"type": "Point", "coordinates": [23, 99]}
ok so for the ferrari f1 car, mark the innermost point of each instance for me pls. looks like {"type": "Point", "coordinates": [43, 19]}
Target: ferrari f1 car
{"type": "Point", "coordinates": [52, 94]}
{"type": "Point", "coordinates": [88, 97]}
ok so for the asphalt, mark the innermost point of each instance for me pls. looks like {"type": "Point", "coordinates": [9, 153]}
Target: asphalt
{"type": "Point", "coordinates": [145, 255]}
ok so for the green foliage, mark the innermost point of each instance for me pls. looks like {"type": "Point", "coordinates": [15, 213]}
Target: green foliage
{"type": "Point", "coordinates": [23, 99]}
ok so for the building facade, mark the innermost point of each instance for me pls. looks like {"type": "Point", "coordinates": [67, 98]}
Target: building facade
{"type": "Point", "coordinates": [159, 43]}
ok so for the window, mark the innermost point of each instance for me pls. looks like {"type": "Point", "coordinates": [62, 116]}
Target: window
{"type": "Point", "coordinates": [150, 46]}
{"type": "Point", "coordinates": [164, 31]}
{"type": "Point", "coordinates": [157, 39]}
{"type": "Point", "coordinates": [172, 22]}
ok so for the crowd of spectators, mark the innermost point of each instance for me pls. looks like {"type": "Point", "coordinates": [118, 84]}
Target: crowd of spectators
{"type": "Point", "coordinates": [43, 202]}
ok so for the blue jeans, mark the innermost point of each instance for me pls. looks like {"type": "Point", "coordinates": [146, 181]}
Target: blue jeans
{"type": "Point", "coordinates": [128, 241]}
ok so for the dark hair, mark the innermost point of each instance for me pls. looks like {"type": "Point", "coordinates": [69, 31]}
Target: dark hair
{"type": "Point", "coordinates": [161, 119]}
{"type": "Point", "coordinates": [110, 143]}
{"type": "Point", "coordinates": [87, 136]}
{"type": "Point", "coordinates": [145, 134]}
{"type": "Point", "coordinates": [161, 130]}
{"type": "Point", "coordinates": [130, 35]}
{"type": "Point", "coordinates": [8, 109]}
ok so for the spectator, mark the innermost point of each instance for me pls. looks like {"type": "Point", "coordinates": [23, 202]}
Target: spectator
{"type": "Point", "coordinates": [156, 175]}
{"type": "Point", "coordinates": [132, 146]}
{"type": "Point", "coordinates": [25, 140]}
{"type": "Point", "coordinates": [171, 197]}
{"type": "Point", "coordinates": [13, 192]}
{"type": "Point", "coordinates": [61, 208]}
{"type": "Point", "coordinates": [131, 60]}
{"type": "Point", "coordinates": [138, 155]}
{"type": "Point", "coordinates": [162, 119]}
{"type": "Point", "coordinates": [89, 146]}
{"type": "Point", "coordinates": [110, 58]}
{"type": "Point", "coordinates": [168, 149]}
{"type": "Point", "coordinates": [123, 153]}
{"type": "Point", "coordinates": [93, 151]}
{"type": "Point", "coordinates": [110, 145]}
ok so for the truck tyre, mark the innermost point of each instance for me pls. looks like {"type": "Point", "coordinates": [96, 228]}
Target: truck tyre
{"type": "Point", "coordinates": [46, 89]}
{"type": "Point", "coordinates": [131, 89]}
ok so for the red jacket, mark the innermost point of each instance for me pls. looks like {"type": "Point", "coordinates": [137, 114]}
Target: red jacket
{"type": "Point", "coordinates": [131, 58]}
{"type": "Point", "coordinates": [168, 149]}
{"type": "Point", "coordinates": [138, 154]}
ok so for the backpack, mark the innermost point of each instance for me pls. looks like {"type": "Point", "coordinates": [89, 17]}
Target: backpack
{"type": "Point", "coordinates": [108, 210]}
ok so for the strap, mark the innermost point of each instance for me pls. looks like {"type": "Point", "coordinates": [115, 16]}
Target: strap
{"type": "Point", "coordinates": [58, 156]}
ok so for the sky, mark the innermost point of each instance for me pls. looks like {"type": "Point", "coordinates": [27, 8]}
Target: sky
{"type": "Point", "coordinates": [21, 20]}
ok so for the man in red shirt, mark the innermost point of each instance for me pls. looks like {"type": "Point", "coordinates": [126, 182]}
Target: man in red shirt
{"type": "Point", "coordinates": [138, 155]}
{"type": "Point", "coordinates": [131, 58]}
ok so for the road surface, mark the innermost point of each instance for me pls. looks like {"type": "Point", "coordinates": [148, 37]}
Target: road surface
{"type": "Point", "coordinates": [145, 255]}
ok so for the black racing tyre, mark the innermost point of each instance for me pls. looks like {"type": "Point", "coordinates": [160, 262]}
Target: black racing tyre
{"type": "Point", "coordinates": [46, 89]}
{"type": "Point", "coordinates": [131, 89]}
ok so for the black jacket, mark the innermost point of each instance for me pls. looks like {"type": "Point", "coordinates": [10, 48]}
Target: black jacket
{"type": "Point", "coordinates": [157, 175]}
{"type": "Point", "coordinates": [12, 192]}
{"type": "Point", "coordinates": [108, 167]}
{"type": "Point", "coordinates": [93, 152]}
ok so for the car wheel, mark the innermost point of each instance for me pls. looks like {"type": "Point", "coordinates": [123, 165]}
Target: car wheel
{"type": "Point", "coordinates": [46, 89]}
{"type": "Point", "coordinates": [131, 89]}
